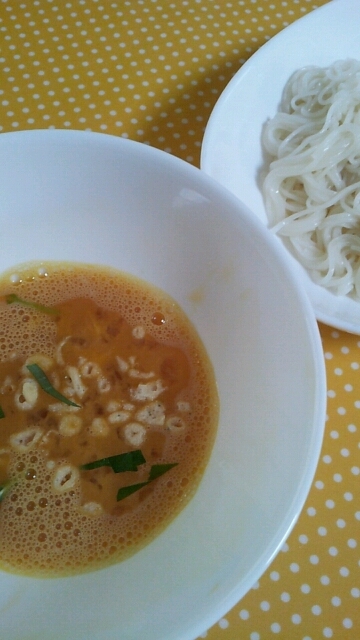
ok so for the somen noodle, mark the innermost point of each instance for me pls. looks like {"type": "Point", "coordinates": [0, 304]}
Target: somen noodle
{"type": "Point", "coordinates": [312, 189]}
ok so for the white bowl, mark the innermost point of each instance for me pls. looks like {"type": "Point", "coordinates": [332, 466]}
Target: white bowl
{"type": "Point", "coordinates": [96, 198]}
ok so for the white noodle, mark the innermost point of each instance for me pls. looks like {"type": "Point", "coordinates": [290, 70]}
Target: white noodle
{"type": "Point", "coordinates": [312, 189]}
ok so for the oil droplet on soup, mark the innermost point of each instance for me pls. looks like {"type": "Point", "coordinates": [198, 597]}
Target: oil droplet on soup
{"type": "Point", "coordinates": [133, 376]}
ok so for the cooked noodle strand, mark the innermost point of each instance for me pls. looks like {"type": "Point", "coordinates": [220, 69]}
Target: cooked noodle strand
{"type": "Point", "coordinates": [312, 189]}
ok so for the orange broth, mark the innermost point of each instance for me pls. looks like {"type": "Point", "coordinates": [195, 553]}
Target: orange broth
{"type": "Point", "coordinates": [127, 356]}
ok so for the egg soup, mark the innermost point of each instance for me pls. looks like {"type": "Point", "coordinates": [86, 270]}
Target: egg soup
{"type": "Point", "coordinates": [109, 411]}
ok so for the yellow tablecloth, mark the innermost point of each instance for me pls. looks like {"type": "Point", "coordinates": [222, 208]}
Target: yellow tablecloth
{"type": "Point", "coordinates": [152, 70]}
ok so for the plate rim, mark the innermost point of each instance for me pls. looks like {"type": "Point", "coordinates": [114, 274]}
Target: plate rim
{"type": "Point", "coordinates": [326, 311]}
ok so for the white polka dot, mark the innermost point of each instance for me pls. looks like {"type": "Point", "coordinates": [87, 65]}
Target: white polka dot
{"type": "Point", "coordinates": [333, 551]}
{"type": "Point", "coordinates": [294, 567]}
{"type": "Point", "coordinates": [347, 623]}
{"type": "Point", "coordinates": [340, 523]}
{"type": "Point", "coordinates": [244, 614]}
{"type": "Point", "coordinates": [254, 635]}
{"type": "Point", "coordinates": [265, 605]}
{"type": "Point", "coordinates": [285, 597]}
{"type": "Point", "coordinates": [311, 511]}
{"type": "Point", "coordinates": [352, 543]}
{"type": "Point", "coordinates": [223, 623]}
{"type": "Point", "coordinates": [344, 572]}
{"type": "Point", "coordinates": [348, 496]}
{"type": "Point", "coordinates": [303, 539]}
{"type": "Point", "coordinates": [355, 592]}
{"type": "Point", "coordinates": [322, 531]}
{"type": "Point", "coordinates": [305, 588]}
{"type": "Point", "coordinates": [314, 559]}
{"type": "Point", "coordinates": [316, 610]}
{"type": "Point", "coordinates": [325, 580]}
{"type": "Point", "coordinates": [336, 601]}
{"type": "Point", "coordinates": [330, 504]}
{"type": "Point", "coordinates": [275, 627]}
{"type": "Point", "coordinates": [327, 632]}
{"type": "Point", "coordinates": [275, 575]}
{"type": "Point", "coordinates": [296, 618]}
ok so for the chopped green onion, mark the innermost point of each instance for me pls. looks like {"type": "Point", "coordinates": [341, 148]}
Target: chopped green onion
{"type": "Point", "coordinates": [156, 471]}
{"type": "Point", "coordinates": [128, 461]}
{"type": "Point", "coordinates": [12, 297]}
{"type": "Point", "coordinates": [2, 414]}
{"type": "Point", "coordinates": [127, 491]}
{"type": "Point", "coordinates": [4, 489]}
{"type": "Point", "coordinates": [46, 385]}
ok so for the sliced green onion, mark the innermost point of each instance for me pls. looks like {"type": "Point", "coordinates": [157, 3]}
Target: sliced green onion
{"type": "Point", "coordinates": [4, 489]}
{"type": "Point", "coordinates": [46, 385]}
{"type": "Point", "coordinates": [156, 471]}
{"type": "Point", "coordinates": [12, 297]}
{"type": "Point", "coordinates": [128, 461]}
{"type": "Point", "coordinates": [127, 491]}
{"type": "Point", "coordinates": [2, 414]}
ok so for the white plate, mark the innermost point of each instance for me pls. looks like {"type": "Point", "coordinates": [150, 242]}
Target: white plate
{"type": "Point", "coordinates": [231, 150]}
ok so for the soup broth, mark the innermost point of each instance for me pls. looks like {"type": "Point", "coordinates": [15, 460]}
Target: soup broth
{"type": "Point", "coordinates": [109, 412]}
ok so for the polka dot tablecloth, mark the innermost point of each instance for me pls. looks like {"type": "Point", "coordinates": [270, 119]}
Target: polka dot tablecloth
{"type": "Point", "coordinates": [152, 70]}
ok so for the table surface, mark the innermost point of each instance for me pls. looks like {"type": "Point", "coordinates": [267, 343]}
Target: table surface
{"type": "Point", "coordinates": [152, 70]}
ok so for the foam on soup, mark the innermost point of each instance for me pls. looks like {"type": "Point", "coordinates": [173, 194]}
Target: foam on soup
{"type": "Point", "coordinates": [135, 383]}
